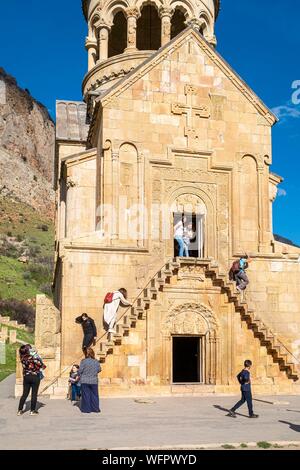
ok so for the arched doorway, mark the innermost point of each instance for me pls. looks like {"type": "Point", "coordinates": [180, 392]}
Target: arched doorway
{"type": "Point", "coordinates": [148, 29]}
{"type": "Point", "coordinates": [117, 41]}
{"type": "Point", "coordinates": [193, 329]}
{"type": "Point", "coordinates": [177, 22]}
{"type": "Point", "coordinates": [189, 220]}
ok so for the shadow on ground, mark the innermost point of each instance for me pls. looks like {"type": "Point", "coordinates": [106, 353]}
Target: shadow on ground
{"type": "Point", "coordinates": [293, 427]}
{"type": "Point", "coordinates": [218, 407]}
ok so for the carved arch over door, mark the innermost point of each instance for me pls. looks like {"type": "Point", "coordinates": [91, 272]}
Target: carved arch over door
{"type": "Point", "coordinates": [195, 320]}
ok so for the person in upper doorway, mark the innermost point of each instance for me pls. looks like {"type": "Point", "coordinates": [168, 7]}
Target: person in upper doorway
{"type": "Point", "coordinates": [89, 330]}
{"type": "Point", "coordinates": [245, 381]}
{"type": "Point", "coordinates": [111, 305]}
{"type": "Point", "coordinates": [178, 236]}
{"type": "Point", "coordinates": [188, 235]}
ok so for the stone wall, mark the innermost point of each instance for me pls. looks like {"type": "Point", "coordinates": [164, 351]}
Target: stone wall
{"type": "Point", "coordinates": [274, 294]}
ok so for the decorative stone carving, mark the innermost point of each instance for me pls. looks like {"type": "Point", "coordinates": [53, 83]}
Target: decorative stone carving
{"type": "Point", "coordinates": [191, 111]}
{"type": "Point", "coordinates": [190, 318]}
{"type": "Point", "coordinates": [48, 324]}
{"type": "Point", "coordinates": [156, 191]}
{"type": "Point", "coordinates": [132, 12]}
{"type": "Point", "coordinates": [191, 273]}
{"type": "Point", "coordinates": [196, 23]}
{"type": "Point", "coordinates": [189, 203]}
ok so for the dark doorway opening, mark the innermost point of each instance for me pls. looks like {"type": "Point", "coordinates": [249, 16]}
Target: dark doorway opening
{"type": "Point", "coordinates": [187, 359]}
{"type": "Point", "coordinates": [148, 29]}
{"type": "Point", "coordinates": [117, 41]}
{"type": "Point", "coordinates": [177, 23]}
{"type": "Point", "coordinates": [193, 234]}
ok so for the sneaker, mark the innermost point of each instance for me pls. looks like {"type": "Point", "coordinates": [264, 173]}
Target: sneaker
{"type": "Point", "coordinates": [34, 413]}
{"type": "Point", "coordinates": [254, 416]}
{"type": "Point", "coordinates": [20, 413]}
{"type": "Point", "coordinates": [239, 290]}
{"type": "Point", "coordinates": [232, 414]}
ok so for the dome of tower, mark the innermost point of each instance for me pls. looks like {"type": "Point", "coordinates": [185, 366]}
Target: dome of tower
{"type": "Point", "coordinates": [123, 33]}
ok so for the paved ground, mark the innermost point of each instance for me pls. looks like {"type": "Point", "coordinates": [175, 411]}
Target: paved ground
{"type": "Point", "coordinates": [124, 423]}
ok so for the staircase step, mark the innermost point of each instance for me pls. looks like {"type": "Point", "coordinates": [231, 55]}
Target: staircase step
{"type": "Point", "coordinates": [109, 347]}
{"type": "Point", "coordinates": [147, 296]}
{"type": "Point", "coordinates": [117, 337]}
{"type": "Point", "coordinates": [126, 323]}
{"type": "Point", "coordinates": [167, 270]}
{"type": "Point", "coordinates": [153, 289]}
{"type": "Point", "coordinates": [161, 280]}
{"type": "Point", "coordinates": [175, 264]}
{"type": "Point", "coordinates": [133, 314]}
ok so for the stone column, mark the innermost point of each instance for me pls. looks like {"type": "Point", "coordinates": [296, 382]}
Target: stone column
{"type": "Point", "coordinates": [103, 32]}
{"type": "Point", "coordinates": [132, 16]}
{"type": "Point", "coordinates": [166, 15]}
{"type": "Point", "coordinates": [91, 46]}
{"type": "Point", "coordinates": [212, 365]}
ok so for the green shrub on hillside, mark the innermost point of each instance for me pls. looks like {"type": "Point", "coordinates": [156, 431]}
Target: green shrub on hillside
{"type": "Point", "coordinates": [19, 311]}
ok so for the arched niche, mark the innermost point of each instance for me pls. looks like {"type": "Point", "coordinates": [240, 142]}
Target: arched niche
{"type": "Point", "coordinates": [131, 193]}
{"type": "Point", "coordinates": [148, 28]}
{"type": "Point", "coordinates": [206, 29]}
{"type": "Point", "coordinates": [117, 41]}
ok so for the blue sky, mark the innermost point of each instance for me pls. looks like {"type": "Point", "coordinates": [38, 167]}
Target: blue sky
{"type": "Point", "coordinates": [42, 45]}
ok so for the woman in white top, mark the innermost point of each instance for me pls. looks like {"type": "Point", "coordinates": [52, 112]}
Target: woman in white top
{"type": "Point", "coordinates": [111, 309]}
{"type": "Point", "coordinates": [178, 235]}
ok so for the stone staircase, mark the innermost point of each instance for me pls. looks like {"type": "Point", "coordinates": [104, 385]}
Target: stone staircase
{"type": "Point", "coordinates": [138, 312]}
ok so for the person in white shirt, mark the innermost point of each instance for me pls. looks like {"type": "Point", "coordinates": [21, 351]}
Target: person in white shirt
{"type": "Point", "coordinates": [111, 309]}
{"type": "Point", "coordinates": [178, 236]}
{"type": "Point", "coordinates": [188, 235]}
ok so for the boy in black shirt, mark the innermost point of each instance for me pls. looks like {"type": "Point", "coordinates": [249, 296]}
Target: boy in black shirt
{"type": "Point", "coordinates": [245, 381]}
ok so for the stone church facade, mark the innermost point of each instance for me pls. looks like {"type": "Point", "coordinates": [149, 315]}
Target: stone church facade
{"type": "Point", "coordinates": [167, 130]}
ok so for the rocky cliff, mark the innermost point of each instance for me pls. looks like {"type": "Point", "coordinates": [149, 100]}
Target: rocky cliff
{"type": "Point", "coordinates": [27, 143]}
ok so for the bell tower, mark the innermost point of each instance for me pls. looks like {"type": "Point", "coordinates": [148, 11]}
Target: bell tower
{"type": "Point", "coordinates": [123, 33]}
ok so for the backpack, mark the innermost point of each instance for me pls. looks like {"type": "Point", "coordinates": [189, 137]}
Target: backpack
{"type": "Point", "coordinates": [108, 298]}
{"type": "Point", "coordinates": [235, 268]}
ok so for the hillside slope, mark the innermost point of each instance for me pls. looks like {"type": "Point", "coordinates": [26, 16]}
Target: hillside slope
{"type": "Point", "coordinates": [27, 143]}
{"type": "Point", "coordinates": [26, 252]}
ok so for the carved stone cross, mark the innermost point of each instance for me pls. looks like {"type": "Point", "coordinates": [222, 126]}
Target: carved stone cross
{"type": "Point", "coordinates": [192, 112]}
